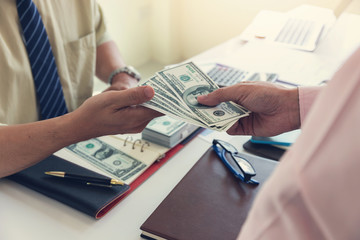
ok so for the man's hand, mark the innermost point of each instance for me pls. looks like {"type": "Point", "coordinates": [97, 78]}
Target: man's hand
{"type": "Point", "coordinates": [114, 112]}
{"type": "Point", "coordinates": [274, 109]}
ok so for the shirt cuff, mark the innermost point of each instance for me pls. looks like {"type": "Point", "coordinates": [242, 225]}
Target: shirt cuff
{"type": "Point", "coordinates": [307, 96]}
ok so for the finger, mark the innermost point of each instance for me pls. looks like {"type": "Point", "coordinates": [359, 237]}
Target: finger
{"type": "Point", "coordinates": [112, 88]}
{"type": "Point", "coordinates": [139, 113]}
{"type": "Point", "coordinates": [243, 126]}
{"type": "Point", "coordinates": [218, 96]}
{"type": "Point", "coordinates": [236, 129]}
{"type": "Point", "coordinates": [132, 96]}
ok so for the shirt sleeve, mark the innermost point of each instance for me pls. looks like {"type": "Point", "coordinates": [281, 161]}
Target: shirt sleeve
{"type": "Point", "coordinates": [307, 96]}
{"type": "Point", "coordinates": [308, 196]}
{"type": "Point", "coordinates": [100, 25]}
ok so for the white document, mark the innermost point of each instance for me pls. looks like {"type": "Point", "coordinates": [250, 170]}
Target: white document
{"type": "Point", "coordinates": [301, 28]}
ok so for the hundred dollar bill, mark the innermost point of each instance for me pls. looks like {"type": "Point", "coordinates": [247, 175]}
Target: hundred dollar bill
{"type": "Point", "coordinates": [162, 85]}
{"type": "Point", "coordinates": [169, 99]}
{"type": "Point", "coordinates": [167, 104]}
{"type": "Point", "coordinates": [162, 105]}
{"type": "Point", "coordinates": [108, 158]}
{"type": "Point", "coordinates": [163, 90]}
{"type": "Point", "coordinates": [166, 97]}
{"type": "Point", "coordinates": [187, 82]}
{"type": "Point", "coordinates": [166, 107]}
{"type": "Point", "coordinates": [168, 111]}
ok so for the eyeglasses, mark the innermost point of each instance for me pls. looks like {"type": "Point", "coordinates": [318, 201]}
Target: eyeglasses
{"type": "Point", "coordinates": [239, 166]}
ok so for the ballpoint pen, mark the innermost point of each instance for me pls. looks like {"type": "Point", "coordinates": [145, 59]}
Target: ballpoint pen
{"type": "Point", "coordinates": [105, 182]}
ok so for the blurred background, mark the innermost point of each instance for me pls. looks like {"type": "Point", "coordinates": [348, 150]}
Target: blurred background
{"type": "Point", "coordinates": [153, 33]}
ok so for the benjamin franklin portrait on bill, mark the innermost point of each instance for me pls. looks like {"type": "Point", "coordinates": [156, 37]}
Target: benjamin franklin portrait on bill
{"type": "Point", "coordinates": [191, 94]}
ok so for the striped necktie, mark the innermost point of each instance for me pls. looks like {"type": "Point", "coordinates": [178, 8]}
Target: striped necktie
{"type": "Point", "coordinates": [46, 79]}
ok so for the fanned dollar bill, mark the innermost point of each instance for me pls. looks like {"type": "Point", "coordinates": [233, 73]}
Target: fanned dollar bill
{"type": "Point", "coordinates": [176, 90]}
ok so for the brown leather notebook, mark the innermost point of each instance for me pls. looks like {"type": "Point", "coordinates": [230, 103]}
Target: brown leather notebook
{"type": "Point", "coordinates": [208, 203]}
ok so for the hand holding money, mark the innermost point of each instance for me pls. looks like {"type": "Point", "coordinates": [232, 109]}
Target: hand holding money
{"type": "Point", "coordinates": [274, 109]}
{"type": "Point", "coordinates": [176, 90]}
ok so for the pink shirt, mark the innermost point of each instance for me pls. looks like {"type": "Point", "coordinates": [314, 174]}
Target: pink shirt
{"type": "Point", "coordinates": [314, 193]}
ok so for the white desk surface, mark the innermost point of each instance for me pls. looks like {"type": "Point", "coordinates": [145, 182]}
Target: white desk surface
{"type": "Point", "coordinates": [25, 214]}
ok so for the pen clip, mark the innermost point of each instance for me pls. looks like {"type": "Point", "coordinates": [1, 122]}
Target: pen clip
{"type": "Point", "coordinates": [99, 185]}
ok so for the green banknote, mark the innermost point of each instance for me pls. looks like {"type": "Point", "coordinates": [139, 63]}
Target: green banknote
{"type": "Point", "coordinates": [168, 104]}
{"type": "Point", "coordinates": [187, 81]}
{"type": "Point", "coordinates": [176, 91]}
{"type": "Point", "coordinates": [108, 158]}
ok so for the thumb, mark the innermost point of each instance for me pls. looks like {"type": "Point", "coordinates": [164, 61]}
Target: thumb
{"type": "Point", "coordinates": [133, 96]}
{"type": "Point", "coordinates": [214, 98]}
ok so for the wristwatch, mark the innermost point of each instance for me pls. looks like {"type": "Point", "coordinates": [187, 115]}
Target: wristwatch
{"type": "Point", "coordinates": [131, 71]}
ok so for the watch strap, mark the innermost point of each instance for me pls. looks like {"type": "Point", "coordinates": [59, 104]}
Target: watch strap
{"type": "Point", "coordinates": [128, 70]}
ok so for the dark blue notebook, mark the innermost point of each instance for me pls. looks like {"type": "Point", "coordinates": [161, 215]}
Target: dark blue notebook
{"type": "Point", "coordinates": [94, 201]}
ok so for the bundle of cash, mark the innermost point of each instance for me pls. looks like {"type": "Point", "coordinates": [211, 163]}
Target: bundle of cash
{"type": "Point", "coordinates": [167, 131]}
{"type": "Point", "coordinates": [176, 90]}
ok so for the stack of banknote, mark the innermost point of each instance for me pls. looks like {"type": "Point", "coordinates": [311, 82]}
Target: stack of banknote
{"type": "Point", "coordinates": [167, 131]}
{"type": "Point", "coordinates": [176, 91]}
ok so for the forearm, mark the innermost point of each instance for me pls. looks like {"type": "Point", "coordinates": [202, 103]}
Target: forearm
{"type": "Point", "coordinates": [108, 58]}
{"type": "Point", "coordinates": [26, 144]}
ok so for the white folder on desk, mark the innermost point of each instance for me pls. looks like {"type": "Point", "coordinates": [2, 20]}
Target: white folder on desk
{"type": "Point", "coordinates": [300, 28]}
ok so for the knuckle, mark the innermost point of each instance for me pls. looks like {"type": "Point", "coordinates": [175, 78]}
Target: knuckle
{"type": "Point", "coordinates": [135, 95]}
{"type": "Point", "coordinates": [219, 94]}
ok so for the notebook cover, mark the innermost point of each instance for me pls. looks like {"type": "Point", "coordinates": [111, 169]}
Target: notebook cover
{"type": "Point", "coordinates": [94, 209]}
{"type": "Point", "coordinates": [264, 150]}
{"type": "Point", "coordinates": [94, 201]}
{"type": "Point", "coordinates": [208, 203]}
